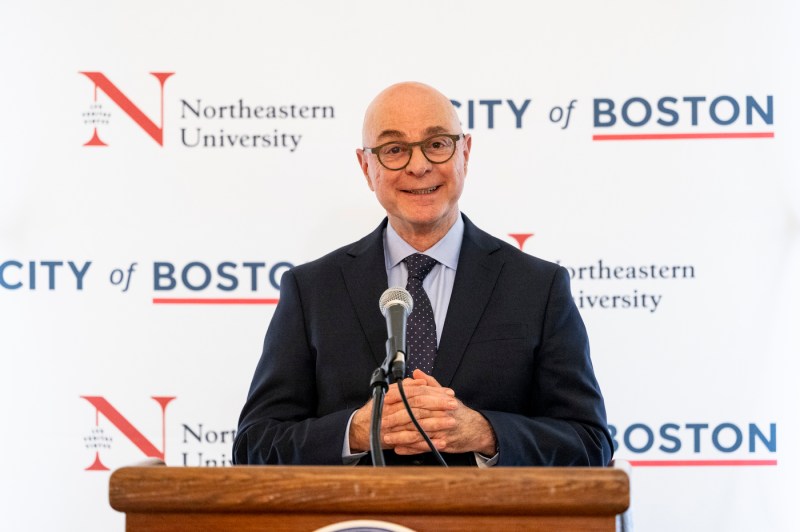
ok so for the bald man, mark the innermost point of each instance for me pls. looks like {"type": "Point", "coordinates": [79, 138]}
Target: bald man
{"type": "Point", "coordinates": [505, 376]}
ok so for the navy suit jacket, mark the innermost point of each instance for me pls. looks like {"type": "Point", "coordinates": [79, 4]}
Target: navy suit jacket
{"type": "Point", "coordinates": [513, 348]}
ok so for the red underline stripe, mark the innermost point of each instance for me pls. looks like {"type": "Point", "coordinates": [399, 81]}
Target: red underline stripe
{"type": "Point", "coordinates": [681, 463]}
{"type": "Point", "coordinates": [679, 136]}
{"type": "Point", "coordinates": [211, 301]}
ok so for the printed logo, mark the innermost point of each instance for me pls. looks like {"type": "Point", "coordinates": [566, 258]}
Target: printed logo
{"type": "Point", "coordinates": [587, 279]}
{"type": "Point", "coordinates": [696, 444]}
{"type": "Point", "coordinates": [520, 238]}
{"type": "Point", "coordinates": [481, 113]}
{"type": "Point", "coordinates": [695, 117]}
{"type": "Point", "coordinates": [232, 123]}
{"type": "Point", "coordinates": [98, 439]}
{"type": "Point", "coordinates": [96, 115]}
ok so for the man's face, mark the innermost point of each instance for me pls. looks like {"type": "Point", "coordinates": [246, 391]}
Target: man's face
{"type": "Point", "coordinates": [422, 198]}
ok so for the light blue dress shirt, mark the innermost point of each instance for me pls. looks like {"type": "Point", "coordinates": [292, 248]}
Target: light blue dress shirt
{"type": "Point", "coordinates": [438, 284]}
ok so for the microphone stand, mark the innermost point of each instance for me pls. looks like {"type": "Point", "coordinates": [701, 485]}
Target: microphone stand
{"type": "Point", "coordinates": [393, 366]}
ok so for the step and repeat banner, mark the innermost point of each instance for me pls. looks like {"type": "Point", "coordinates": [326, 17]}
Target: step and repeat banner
{"type": "Point", "coordinates": [163, 163]}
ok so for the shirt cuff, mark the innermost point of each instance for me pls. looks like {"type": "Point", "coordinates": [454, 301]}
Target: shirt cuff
{"type": "Point", "coordinates": [485, 461]}
{"type": "Point", "coordinates": [349, 458]}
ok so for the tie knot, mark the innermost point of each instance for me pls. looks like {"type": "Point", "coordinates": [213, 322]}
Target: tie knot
{"type": "Point", "coordinates": [419, 265]}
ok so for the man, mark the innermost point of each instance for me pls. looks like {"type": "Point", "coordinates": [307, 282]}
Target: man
{"type": "Point", "coordinates": [503, 370]}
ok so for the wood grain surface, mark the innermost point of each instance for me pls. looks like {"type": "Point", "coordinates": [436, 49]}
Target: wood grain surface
{"type": "Point", "coordinates": [360, 492]}
{"type": "Point", "coordinates": [212, 522]}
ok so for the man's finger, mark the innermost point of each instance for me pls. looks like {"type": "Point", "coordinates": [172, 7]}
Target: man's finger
{"type": "Point", "coordinates": [393, 395]}
{"type": "Point", "coordinates": [397, 416]}
{"type": "Point", "coordinates": [428, 419]}
{"type": "Point", "coordinates": [407, 438]}
{"type": "Point", "coordinates": [420, 448]}
{"type": "Point", "coordinates": [442, 423]}
{"type": "Point", "coordinates": [424, 402]}
{"type": "Point", "coordinates": [421, 375]}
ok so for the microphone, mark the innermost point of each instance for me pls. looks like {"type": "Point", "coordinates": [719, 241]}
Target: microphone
{"type": "Point", "coordinates": [396, 304]}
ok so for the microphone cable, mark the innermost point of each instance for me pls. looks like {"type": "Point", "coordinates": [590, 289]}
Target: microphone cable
{"type": "Point", "coordinates": [417, 425]}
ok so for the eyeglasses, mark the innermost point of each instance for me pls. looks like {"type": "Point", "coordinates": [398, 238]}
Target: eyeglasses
{"type": "Point", "coordinates": [396, 155]}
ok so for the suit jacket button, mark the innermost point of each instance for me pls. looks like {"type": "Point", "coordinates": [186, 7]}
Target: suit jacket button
{"type": "Point", "coordinates": [417, 462]}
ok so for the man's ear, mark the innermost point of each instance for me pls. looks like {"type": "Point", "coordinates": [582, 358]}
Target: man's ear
{"type": "Point", "coordinates": [467, 148]}
{"type": "Point", "coordinates": [363, 162]}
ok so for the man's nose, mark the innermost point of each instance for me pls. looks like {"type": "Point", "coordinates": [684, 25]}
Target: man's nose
{"type": "Point", "coordinates": [418, 165]}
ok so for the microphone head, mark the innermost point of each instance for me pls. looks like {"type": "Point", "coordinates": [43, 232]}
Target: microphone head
{"type": "Point", "coordinates": [396, 296]}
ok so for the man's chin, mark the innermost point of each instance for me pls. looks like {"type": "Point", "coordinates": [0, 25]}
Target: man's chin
{"type": "Point", "coordinates": [425, 220]}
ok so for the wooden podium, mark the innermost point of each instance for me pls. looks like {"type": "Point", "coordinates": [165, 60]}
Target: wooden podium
{"type": "Point", "coordinates": [249, 498]}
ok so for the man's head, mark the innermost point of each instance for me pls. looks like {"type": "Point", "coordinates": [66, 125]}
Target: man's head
{"type": "Point", "coordinates": [421, 199]}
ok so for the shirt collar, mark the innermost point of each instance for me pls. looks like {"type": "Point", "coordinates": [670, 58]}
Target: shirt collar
{"type": "Point", "coordinates": [445, 251]}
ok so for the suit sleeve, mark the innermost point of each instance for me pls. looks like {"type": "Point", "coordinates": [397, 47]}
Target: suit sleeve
{"type": "Point", "coordinates": [279, 422]}
{"type": "Point", "coordinates": [565, 424]}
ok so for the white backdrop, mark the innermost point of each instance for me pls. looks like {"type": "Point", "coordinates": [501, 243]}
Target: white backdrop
{"type": "Point", "coordinates": [709, 371]}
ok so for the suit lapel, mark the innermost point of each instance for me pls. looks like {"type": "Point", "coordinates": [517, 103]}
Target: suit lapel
{"type": "Point", "coordinates": [478, 269]}
{"type": "Point", "coordinates": [364, 271]}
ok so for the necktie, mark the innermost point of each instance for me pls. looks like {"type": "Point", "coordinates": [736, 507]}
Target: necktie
{"type": "Point", "coordinates": [421, 328]}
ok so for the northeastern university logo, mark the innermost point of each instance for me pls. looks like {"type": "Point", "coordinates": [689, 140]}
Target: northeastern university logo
{"type": "Point", "coordinates": [97, 115]}
{"type": "Point", "coordinates": [232, 122]}
{"type": "Point", "coordinates": [101, 441]}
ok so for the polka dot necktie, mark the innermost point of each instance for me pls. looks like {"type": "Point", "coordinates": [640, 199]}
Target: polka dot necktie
{"type": "Point", "coordinates": [420, 327]}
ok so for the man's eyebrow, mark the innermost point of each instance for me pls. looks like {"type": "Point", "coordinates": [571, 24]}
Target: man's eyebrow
{"type": "Point", "coordinates": [395, 134]}
{"type": "Point", "coordinates": [391, 133]}
{"type": "Point", "coordinates": [435, 130]}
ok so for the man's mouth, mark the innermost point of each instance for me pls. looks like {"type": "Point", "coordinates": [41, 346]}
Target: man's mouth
{"type": "Point", "coordinates": [423, 190]}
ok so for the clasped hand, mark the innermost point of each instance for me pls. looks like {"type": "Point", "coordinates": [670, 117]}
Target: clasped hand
{"type": "Point", "coordinates": [450, 424]}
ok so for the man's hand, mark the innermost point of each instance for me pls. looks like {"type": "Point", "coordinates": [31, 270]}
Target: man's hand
{"type": "Point", "coordinates": [435, 400]}
{"type": "Point", "coordinates": [359, 429]}
{"type": "Point", "coordinates": [451, 425]}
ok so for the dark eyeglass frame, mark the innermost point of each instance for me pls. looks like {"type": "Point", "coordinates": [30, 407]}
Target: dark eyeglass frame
{"type": "Point", "coordinates": [410, 145]}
